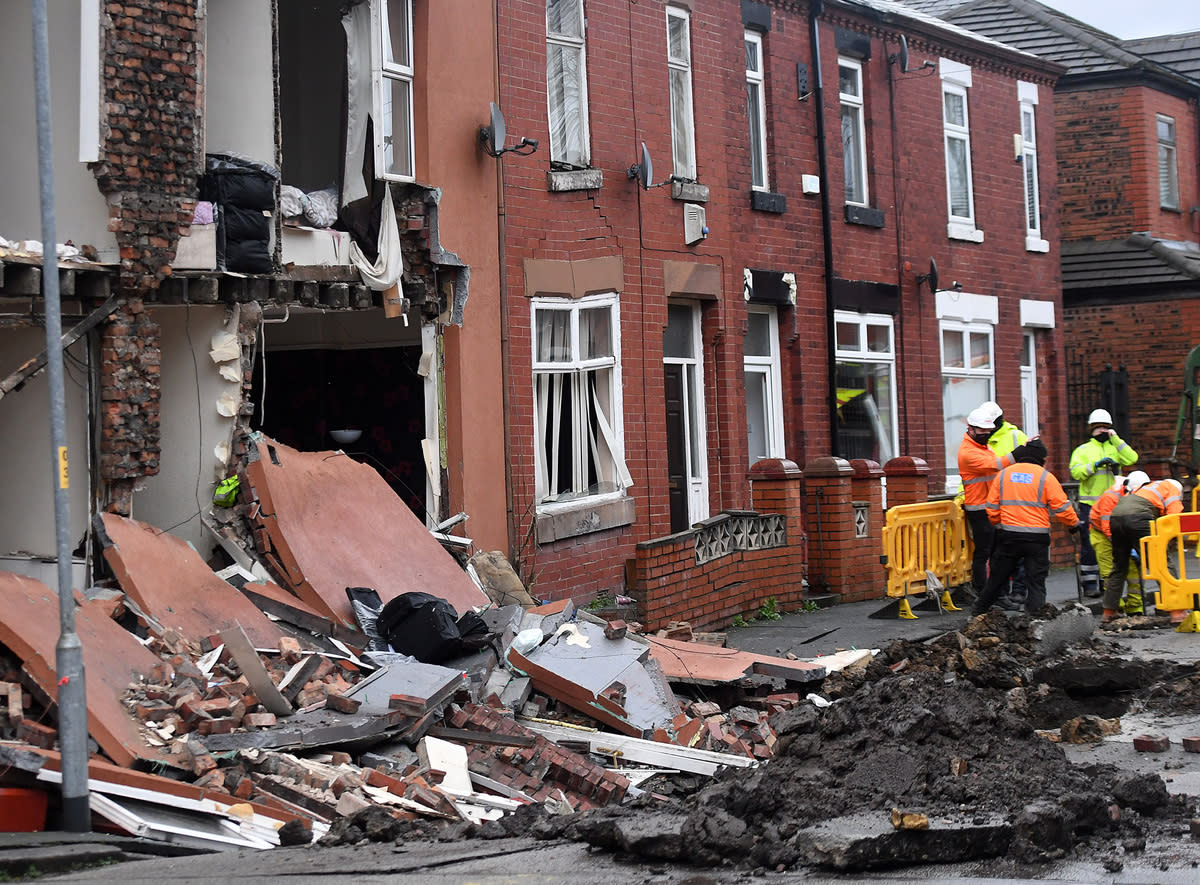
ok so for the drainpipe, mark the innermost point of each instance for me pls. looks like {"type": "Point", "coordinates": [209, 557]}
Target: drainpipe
{"type": "Point", "coordinates": [814, 33]}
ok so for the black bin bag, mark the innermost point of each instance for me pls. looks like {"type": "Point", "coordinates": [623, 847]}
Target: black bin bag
{"type": "Point", "coordinates": [421, 625]}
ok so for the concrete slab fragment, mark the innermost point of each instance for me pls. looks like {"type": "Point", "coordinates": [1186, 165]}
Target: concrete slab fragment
{"type": "Point", "coordinates": [334, 523]}
{"type": "Point", "coordinates": [707, 664]}
{"type": "Point", "coordinates": [112, 657]}
{"type": "Point", "coordinates": [868, 841]}
{"type": "Point", "coordinates": [169, 581]}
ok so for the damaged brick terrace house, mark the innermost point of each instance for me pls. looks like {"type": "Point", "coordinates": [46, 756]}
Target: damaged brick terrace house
{"type": "Point", "coordinates": [251, 238]}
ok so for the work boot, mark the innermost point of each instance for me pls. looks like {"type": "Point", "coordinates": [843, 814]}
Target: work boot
{"type": "Point", "coordinates": [1110, 614]}
{"type": "Point", "coordinates": [1009, 604]}
{"type": "Point", "coordinates": [1092, 591]}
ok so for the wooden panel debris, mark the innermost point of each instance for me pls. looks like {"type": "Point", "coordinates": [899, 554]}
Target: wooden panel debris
{"type": "Point", "coordinates": [334, 523]}
{"type": "Point", "coordinates": [29, 627]}
{"type": "Point", "coordinates": [169, 581]}
{"type": "Point", "coordinates": [705, 664]}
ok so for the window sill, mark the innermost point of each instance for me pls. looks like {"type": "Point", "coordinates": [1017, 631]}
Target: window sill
{"type": "Point", "coordinates": [689, 191]}
{"type": "Point", "coordinates": [766, 201]}
{"type": "Point", "coordinates": [583, 518]}
{"type": "Point", "coordinates": [1036, 244]}
{"type": "Point", "coordinates": [561, 180]}
{"type": "Point", "coordinates": [963, 230]}
{"type": "Point", "coordinates": [864, 215]}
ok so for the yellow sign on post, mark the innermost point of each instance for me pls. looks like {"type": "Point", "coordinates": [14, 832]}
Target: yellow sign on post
{"type": "Point", "coordinates": [63, 473]}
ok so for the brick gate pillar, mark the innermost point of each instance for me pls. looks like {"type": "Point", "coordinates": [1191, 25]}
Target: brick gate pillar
{"type": "Point", "coordinates": [866, 488]}
{"type": "Point", "coordinates": [777, 486]}
{"type": "Point", "coordinates": [907, 481]}
{"type": "Point", "coordinates": [842, 560]}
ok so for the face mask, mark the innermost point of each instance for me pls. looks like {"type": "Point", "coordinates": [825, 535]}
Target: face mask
{"type": "Point", "coordinates": [1100, 435]}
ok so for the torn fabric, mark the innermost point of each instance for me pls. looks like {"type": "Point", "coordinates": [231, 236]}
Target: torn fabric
{"type": "Point", "coordinates": [387, 268]}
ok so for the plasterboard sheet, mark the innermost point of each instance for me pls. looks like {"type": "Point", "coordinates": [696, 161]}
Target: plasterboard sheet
{"type": "Point", "coordinates": [701, 663]}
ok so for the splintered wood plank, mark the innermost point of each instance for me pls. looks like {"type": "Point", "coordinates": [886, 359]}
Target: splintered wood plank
{"type": "Point", "coordinates": [169, 581]}
{"type": "Point", "coordinates": [334, 523]}
{"type": "Point", "coordinates": [112, 658]}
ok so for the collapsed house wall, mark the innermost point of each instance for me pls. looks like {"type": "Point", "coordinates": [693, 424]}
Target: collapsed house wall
{"type": "Point", "coordinates": [81, 214]}
{"type": "Point", "coordinates": [201, 392]}
{"type": "Point", "coordinates": [27, 519]}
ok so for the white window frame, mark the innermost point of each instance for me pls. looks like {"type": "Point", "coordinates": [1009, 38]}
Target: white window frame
{"type": "Point", "coordinates": [863, 355]}
{"type": "Point", "coordinates": [387, 75]}
{"type": "Point", "coordinates": [611, 432]}
{"type": "Point", "coordinates": [852, 110]}
{"type": "Point", "coordinates": [683, 119]}
{"type": "Point", "coordinates": [1030, 421]}
{"type": "Point", "coordinates": [756, 104]}
{"type": "Point", "coordinates": [768, 366]}
{"type": "Point", "coordinates": [576, 44]}
{"type": "Point", "coordinates": [694, 417]}
{"type": "Point", "coordinates": [1027, 96]}
{"type": "Point", "coordinates": [956, 80]}
{"type": "Point", "coordinates": [1168, 162]}
{"type": "Point", "coordinates": [965, 372]}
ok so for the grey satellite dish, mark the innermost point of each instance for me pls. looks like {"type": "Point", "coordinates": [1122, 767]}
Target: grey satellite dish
{"type": "Point", "coordinates": [494, 133]}
{"type": "Point", "coordinates": [643, 171]}
{"type": "Point", "coordinates": [931, 277]}
{"type": "Point", "coordinates": [903, 54]}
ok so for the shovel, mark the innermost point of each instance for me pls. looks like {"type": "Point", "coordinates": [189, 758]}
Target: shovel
{"type": "Point", "coordinates": [1078, 570]}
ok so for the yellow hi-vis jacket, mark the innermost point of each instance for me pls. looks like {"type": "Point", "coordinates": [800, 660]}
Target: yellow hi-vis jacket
{"type": "Point", "coordinates": [1022, 498]}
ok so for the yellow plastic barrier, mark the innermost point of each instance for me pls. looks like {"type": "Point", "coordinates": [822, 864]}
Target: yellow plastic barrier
{"type": "Point", "coordinates": [927, 537]}
{"type": "Point", "coordinates": [1176, 590]}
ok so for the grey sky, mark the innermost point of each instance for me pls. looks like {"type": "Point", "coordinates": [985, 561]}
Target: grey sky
{"type": "Point", "coordinates": [1142, 18]}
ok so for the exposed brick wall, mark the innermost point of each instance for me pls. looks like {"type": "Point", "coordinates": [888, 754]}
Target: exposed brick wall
{"type": "Point", "coordinates": [130, 388]}
{"type": "Point", "coordinates": [151, 146]}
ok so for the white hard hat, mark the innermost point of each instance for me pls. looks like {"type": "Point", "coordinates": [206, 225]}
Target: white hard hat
{"type": "Point", "coordinates": [982, 418]}
{"type": "Point", "coordinates": [1119, 483]}
{"type": "Point", "coordinates": [1178, 485]}
{"type": "Point", "coordinates": [1136, 480]}
{"type": "Point", "coordinates": [1100, 416]}
{"type": "Point", "coordinates": [990, 408]}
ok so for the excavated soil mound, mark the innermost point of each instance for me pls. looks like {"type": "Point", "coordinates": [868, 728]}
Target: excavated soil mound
{"type": "Point", "coordinates": [945, 729]}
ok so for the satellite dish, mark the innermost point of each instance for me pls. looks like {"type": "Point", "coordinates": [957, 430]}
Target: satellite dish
{"type": "Point", "coordinates": [931, 277]}
{"type": "Point", "coordinates": [494, 133]}
{"type": "Point", "coordinates": [643, 170]}
{"type": "Point", "coordinates": [903, 54]}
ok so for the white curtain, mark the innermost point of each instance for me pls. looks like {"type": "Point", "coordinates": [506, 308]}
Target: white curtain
{"type": "Point", "coordinates": [357, 23]}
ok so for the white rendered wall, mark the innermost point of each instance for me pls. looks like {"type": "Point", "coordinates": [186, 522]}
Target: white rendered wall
{"type": "Point", "coordinates": [239, 110]}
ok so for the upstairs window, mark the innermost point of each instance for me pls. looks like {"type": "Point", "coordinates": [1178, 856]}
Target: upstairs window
{"type": "Point", "coordinates": [1168, 173]}
{"type": "Point", "coordinates": [854, 138]}
{"type": "Point", "coordinates": [679, 67]}
{"type": "Point", "coordinates": [577, 399]}
{"type": "Point", "coordinates": [393, 93]}
{"type": "Point", "coordinates": [956, 132]}
{"type": "Point", "coordinates": [566, 83]}
{"type": "Point", "coordinates": [1027, 93]}
{"type": "Point", "coordinates": [756, 106]}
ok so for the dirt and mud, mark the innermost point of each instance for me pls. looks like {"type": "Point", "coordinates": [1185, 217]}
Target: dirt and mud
{"type": "Point", "coordinates": [947, 729]}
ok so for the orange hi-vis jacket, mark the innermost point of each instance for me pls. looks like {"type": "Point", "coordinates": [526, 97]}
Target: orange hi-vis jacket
{"type": "Point", "coordinates": [1022, 498]}
{"type": "Point", "coordinates": [1102, 511]}
{"type": "Point", "coordinates": [977, 465]}
{"type": "Point", "coordinates": [1163, 496]}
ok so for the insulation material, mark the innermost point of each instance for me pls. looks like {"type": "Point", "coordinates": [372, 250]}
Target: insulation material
{"type": "Point", "coordinates": [225, 347]}
{"type": "Point", "coordinates": [227, 404]}
{"type": "Point", "coordinates": [231, 373]}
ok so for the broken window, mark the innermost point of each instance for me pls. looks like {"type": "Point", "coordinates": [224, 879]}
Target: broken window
{"type": "Point", "coordinates": [393, 88]}
{"type": "Point", "coordinates": [577, 405]}
{"type": "Point", "coordinates": [566, 82]}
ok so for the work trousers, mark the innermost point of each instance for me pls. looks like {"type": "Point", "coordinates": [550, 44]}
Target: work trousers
{"type": "Point", "coordinates": [1088, 564]}
{"type": "Point", "coordinates": [982, 533]}
{"type": "Point", "coordinates": [1128, 529]}
{"type": "Point", "coordinates": [1104, 559]}
{"type": "Point", "coordinates": [1010, 549]}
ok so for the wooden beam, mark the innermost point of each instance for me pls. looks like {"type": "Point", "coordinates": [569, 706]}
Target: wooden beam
{"type": "Point", "coordinates": [35, 365]}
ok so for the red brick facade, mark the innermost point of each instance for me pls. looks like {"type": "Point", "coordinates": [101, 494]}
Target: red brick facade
{"type": "Point", "coordinates": [628, 100]}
